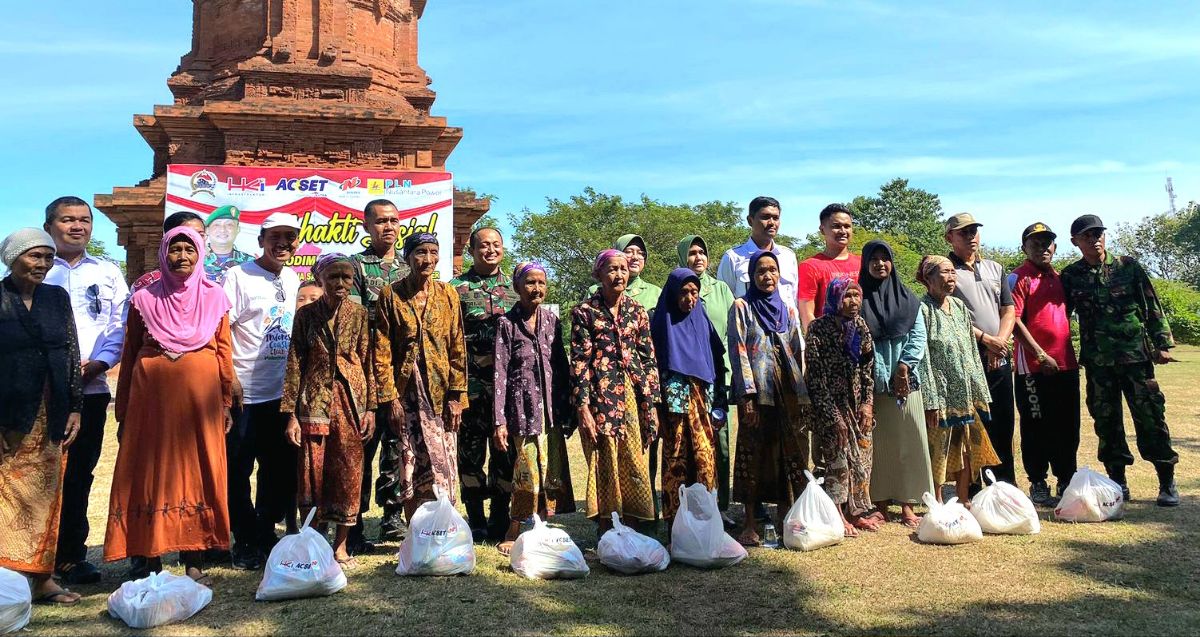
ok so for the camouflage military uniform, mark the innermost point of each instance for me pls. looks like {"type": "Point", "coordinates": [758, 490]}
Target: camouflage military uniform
{"type": "Point", "coordinates": [1122, 325]}
{"type": "Point", "coordinates": [484, 300]}
{"type": "Point", "coordinates": [371, 274]}
{"type": "Point", "coordinates": [215, 266]}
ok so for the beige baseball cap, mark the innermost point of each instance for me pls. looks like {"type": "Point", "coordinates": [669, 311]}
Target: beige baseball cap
{"type": "Point", "coordinates": [960, 221]}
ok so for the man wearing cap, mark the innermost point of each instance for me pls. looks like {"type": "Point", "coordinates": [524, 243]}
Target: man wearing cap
{"type": "Point", "coordinates": [1047, 374]}
{"type": "Point", "coordinates": [1123, 334]}
{"type": "Point", "coordinates": [263, 297]}
{"type": "Point", "coordinates": [486, 293]}
{"type": "Point", "coordinates": [222, 227]}
{"type": "Point", "coordinates": [984, 288]}
{"type": "Point", "coordinates": [378, 266]}
{"type": "Point", "coordinates": [98, 296]}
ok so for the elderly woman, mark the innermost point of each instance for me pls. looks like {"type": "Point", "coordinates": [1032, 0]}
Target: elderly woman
{"type": "Point", "coordinates": [41, 397]}
{"type": "Point", "coordinates": [954, 389]}
{"type": "Point", "coordinates": [533, 415]}
{"type": "Point", "coordinates": [766, 350]}
{"type": "Point", "coordinates": [840, 357]}
{"type": "Point", "coordinates": [691, 367]}
{"type": "Point", "coordinates": [718, 298]}
{"type": "Point", "coordinates": [421, 371]}
{"type": "Point", "coordinates": [169, 490]}
{"type": "Point", "coordinates": [900, 469]}
{"type": "Point", "coordinates": [329, 392]}
{"type": "Point", "coordinates": [614, 389]}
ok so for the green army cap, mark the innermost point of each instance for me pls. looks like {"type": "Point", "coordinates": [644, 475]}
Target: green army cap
{"type": "Point", "coordinates": [224, 212]}
{"type": "Point", "coordinates": [960, 221]}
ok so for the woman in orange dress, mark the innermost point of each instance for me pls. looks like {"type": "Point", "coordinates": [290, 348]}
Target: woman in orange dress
{"type": "Point", "coordinates": [172, 410]}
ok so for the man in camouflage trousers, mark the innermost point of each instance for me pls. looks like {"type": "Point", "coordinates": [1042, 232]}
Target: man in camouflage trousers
{"type": "Point", "coordinates": [1123, 334]}
{"type": "Point", "coordinates": [377, 266]}
{"type": "Point", "coordinates": [486, 294]}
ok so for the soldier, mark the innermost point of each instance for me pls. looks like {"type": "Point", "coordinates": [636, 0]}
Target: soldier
{"type": "Point", "coordinates": [378, 266]}
{"type": "Point", "coordinates": [1123, 334]}
{"type": "Point", "coordinates": [486, 294]}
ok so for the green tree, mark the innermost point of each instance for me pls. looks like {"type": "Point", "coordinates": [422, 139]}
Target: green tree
{"type": "Point", "coordinates": [911, 215]}
{"type": "Point", "coordinates": [96, 248]}
{"type": "Point", "coordinates": [1167, 245]}
{"type": "Point", "coordinates": [569, 233]}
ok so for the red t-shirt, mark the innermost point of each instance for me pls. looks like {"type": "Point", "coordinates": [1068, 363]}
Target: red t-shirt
{"type": "Point", "coordinates": [817, 271]}
{"type": "Point", "coordinates": [1041, 303]}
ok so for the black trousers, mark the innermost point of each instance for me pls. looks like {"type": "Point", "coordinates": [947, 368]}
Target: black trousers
{"type": "Point", "coordinates": [1000, 429]}
{"type": "Point", "coordinates": [1049, 407]}
{"type": "Point", "coordinates": [257, 435]}
{"type": "Point", "coordinates": [82, 457]}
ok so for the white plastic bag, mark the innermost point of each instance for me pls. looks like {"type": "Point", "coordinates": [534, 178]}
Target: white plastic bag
{"type": "Point", "coordinates": [1002, 508]}
{"type": "Point", "coordinates": [438, 542]}
{"type": "Point", "coordinates": [813, 521]}
{"type": "Point", "coordinates": [948, 523]}
{"type": "Point", "coordinates": [546, 553]}
{"type": "Point", "coordinates": [698, 535]}
{"type": "Point", "coordinates": [301, 565]}
{"type": "Point", "coordinates": [157, 600]}
{"type": "Point", "coordinates": [626, 551]}
{"type": "Point", "coordinates": [1090, 497]}
{"type": "Point", "coordinates": [16, 601]}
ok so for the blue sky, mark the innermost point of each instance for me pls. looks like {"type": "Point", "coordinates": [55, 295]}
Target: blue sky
{"type": "Point", "coordinates": [1015, 111]}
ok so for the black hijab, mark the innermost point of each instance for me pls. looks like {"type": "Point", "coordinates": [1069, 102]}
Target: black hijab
{"type": "Point", "coordinates": [889, 308]}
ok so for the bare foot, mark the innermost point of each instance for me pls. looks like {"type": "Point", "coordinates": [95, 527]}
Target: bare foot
{"type": "Point", "coordinates": [505, 547]}
{"type": "Point", "coordinates": [848, 529]}
{"type": "Point", "coordinates": [199, 576]}
{"type": "Point", "coordinates": [749, 537]}
{"type": "Point", "coordinates": [865, 523]}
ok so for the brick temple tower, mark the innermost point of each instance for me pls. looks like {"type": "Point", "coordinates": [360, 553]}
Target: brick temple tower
{"type": "Point", "coordinates": [328, 83]}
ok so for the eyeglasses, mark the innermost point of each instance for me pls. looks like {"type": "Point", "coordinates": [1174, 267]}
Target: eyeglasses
{"type": "Point", "coordinates": [280, 296]}
{"type": "Point", "coordinates": [92, 294]}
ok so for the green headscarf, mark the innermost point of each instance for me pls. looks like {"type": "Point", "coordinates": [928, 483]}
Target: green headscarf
{"type": "Point", "coordinates": [717, 296]}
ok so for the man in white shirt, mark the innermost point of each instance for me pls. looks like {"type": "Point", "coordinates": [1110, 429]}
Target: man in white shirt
{"type": "Point", "coordinates": [263, 297]}
{"type": "Point", "coordinates": [98, 296]}
{"type": "Point", "coordinates": [763, 218]}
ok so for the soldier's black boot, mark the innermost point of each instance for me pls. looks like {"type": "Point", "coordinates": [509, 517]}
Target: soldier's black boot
{"type": "Point", "coordinates": [1168, 495]}
{"type": "Point", "coordinates": [476, 519]}
{"type": "Point", "coordinates": [1116, 473]}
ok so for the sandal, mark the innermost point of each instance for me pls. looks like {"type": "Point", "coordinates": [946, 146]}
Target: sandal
{"type": "Point", "coordinates": [56, 598]}
{"type": "Point", "coordinates": [912, 522]}
{"type": "Point", "coordinates": [749, 539]}
{"type": "Point", "coordinates": [505, 547]}
{"type": "Point", "coordinates": [348, 564]}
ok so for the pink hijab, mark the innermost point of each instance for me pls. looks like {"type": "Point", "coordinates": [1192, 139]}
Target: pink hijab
{"type": "Point", "coordinates": [183, 315]}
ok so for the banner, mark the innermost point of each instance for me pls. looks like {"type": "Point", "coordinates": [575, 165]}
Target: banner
{"type": "Point", "coordinates": [329, 204]}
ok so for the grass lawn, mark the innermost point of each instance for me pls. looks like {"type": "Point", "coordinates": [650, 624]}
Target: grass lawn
{"type": "Point", "coordinates": [1138, 575]}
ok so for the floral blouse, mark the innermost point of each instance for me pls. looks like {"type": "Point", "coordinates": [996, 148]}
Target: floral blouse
{"type": "Point", "coordinates": [434, 338]}
{"type": "Point", "coordinates": [532, 375]}
{"type": "Point", "coordinates": [952, 378]}
{"type": "Point", "coordinates": [765, 364]}
{"type": "Point", "coordinates": [327, 348]}
{"type": "Point", "coordinates": [605, 352]}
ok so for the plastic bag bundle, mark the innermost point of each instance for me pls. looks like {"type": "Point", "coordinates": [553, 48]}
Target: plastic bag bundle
{"type": "Point", "coordinates": [438, 542]}
{"type": "Point", "coordinates": [1090, 497]}
{"type": "Point", "coordinates": [546, 553]}
{"type": "Point", "coordinates": [16, 601]}
{"type": "Point", "coordinates": [813, 521]}
{"type": "Point", "coordinates": [698, 535]}
{"type": "Point", "coordinates": [157, 600]}
{"type": "Point", "coordinates": [948, 523]}
{"type": "Point", "coordinates": [1003, 509]}
{"type": "Point", "coordinates": [301, 565]}
{"type": "Point", "coordinates": [626, 551]}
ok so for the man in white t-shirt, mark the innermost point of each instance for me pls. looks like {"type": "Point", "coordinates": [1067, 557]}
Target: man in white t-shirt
{"type": "Point", "coordinates": [263, 295]}
{"type": "Point", "coordinates": [763, 217]}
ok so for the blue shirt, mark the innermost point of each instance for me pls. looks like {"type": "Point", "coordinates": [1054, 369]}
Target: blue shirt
{"type": "Point", "coordinates": [908, 349]}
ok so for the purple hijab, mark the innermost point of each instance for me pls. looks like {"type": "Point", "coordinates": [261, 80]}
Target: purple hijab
{"type": "Point", "coordinates": [851, 338]}
{"type": "Point", "coordinates": [682, 341]}
{"type": "Point", "coordinates": [770, 309]}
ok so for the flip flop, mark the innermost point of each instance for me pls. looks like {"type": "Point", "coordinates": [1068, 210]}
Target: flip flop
{"type": "Point", "coordinates": [348, 564]}
{"type": "Point", "coordinates": [52, 597]}
{"type": "Point", "coordinates": [911, 523]}
{"type": "Point", "coordinates": [505, 547]}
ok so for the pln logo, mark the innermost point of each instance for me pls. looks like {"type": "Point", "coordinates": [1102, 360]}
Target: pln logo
{"type": "Point", "coordinates": [204, 181]}
{"type": "Point", "coordinates": [382, 186]}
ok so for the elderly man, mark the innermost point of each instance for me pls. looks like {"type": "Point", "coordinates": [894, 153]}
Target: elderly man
{"type": "Point", "coordinates": [486, 293]}
{"type": "Point", "coordinates": [222, 227]}
{"type": "Point", "coordinates": [98, 296]}
{"type": "Point", "coordinates": [984, 288]}
{"type": "Point", "coordinates": [1123, 334]}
